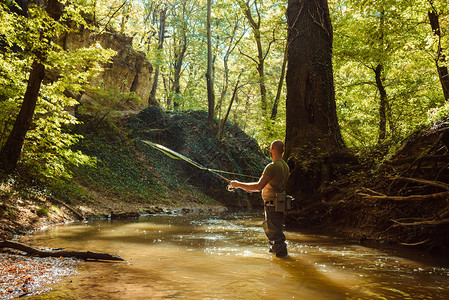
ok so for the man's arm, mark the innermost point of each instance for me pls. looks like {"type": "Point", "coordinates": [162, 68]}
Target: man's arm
{"type": "Point", "coordinates": [252, 186]}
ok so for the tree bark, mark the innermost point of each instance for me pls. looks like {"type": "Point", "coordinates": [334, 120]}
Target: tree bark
{"type": "Point", "coordinates": [382, 105]}
{"type": "Point", "coordinates": [311, 118]}
{"type": "Point", "coordinates": [442, 70]}
{"type": "Point", "coordinates": [444, 79]}
{"type": "Point", "coordinates": [10, 153]}
{"type": "Point", "coordinates": [11, 150]}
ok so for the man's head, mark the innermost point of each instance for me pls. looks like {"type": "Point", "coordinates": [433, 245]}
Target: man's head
{"type": "Point", "coordinates": [277, 148]}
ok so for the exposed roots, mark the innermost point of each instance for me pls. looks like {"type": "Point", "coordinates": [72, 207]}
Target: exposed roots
{"type": "Point", "coordinates": [417, 199]}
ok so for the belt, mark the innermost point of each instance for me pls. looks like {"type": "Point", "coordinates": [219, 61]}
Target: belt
{"type": "Point", "coordinates": [269, 203]}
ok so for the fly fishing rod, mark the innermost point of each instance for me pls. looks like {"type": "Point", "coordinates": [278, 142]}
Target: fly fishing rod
{"type": "Point", "coordinates": [175, 155]}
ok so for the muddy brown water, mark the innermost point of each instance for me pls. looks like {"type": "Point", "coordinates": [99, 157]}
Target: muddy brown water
{"type": "Point", "coordinates": [224, 256]}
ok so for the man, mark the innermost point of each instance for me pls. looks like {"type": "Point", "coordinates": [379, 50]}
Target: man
{"type": "Point", "coordinates": [273, 180]}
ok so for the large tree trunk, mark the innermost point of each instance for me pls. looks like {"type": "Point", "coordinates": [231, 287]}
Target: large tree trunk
{"type": "Point", "coordinates": [311, 109]}
{"type": "Point", "coordinates": [10, 153]}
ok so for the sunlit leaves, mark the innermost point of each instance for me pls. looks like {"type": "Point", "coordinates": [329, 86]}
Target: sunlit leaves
{"type": "Point", "coordinates": [231, 36]}
{"type": "Point", "coordinates": [396, 35]}
{"type": "Point", "coordinates": [47, 149]}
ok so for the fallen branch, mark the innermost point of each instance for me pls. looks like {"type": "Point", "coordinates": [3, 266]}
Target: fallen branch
{"type": "Point", "coordinates": [423, 181]}
{"type": "Point", "coordinates": [59, 253]}
{"type": "Point", "coordinates": [406, 198]}
{"type": "Point", "coordinates": [73, 210]}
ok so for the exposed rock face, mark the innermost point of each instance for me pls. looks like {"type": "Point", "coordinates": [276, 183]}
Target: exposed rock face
{"type": "Point", "coordinates": [130, 71]}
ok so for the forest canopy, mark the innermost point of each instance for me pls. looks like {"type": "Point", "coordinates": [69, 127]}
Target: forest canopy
{"type": "Point", "coordinates": [387, 59]}
{"type": "Point", "coordinates": [389, 64]}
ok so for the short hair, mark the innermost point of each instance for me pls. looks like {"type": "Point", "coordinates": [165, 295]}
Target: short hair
{"type": "Point", "coordinates": [278, 145]}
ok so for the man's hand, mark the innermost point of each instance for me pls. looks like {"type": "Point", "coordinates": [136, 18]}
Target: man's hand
{"type": "Point", "coordinates": [251, 186]}
{"type": "Point", "coordinates": [234, 183]}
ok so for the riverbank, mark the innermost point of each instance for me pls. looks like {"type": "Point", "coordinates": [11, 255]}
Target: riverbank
{"type": "Point", "coordinates": [21, 216]}
{"type": "Point", "coordinates": [22, 275]}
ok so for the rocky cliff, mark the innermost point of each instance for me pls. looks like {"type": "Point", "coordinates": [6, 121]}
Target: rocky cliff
{"type": "Point", "coordinates": [129, 71]}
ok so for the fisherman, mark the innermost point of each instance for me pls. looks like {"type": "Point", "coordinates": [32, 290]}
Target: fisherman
{"type": "Point", "coordinates": [272, 183]}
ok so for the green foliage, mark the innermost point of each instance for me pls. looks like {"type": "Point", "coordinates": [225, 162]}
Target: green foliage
{"type": "Point", "coordinates": [69, 191]}
{"type": "Point", "coordinates": [104, 101]}
{"type": "Point", "coordinates": [232, 42]}
{"type": "Point", "coordinates": [117, 171]}
{"type": "Point", "coordinates": [397, 35]}
{"type": "Point", "coordinates": [47, 149]}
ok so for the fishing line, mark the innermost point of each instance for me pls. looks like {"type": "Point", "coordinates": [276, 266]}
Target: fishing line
{"type": "Point", "coordinates": [175, 155]}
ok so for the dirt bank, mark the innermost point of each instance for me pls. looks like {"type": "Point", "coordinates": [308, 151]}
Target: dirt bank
{"type": "Point", "coordinates": [399, 198]}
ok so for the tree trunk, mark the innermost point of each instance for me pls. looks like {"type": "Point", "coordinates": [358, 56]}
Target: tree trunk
{"type": "Point", "coordinates": [311, 118]}
{"type": "Point", "coordinates": [444, 79]}
{"type": "Point", "coordinates": [209, 77]}
{"type": "Point", "coordinates": [382, 105]}
{"type": "Point", "coordinates": [223, 122]}
{"type": "Point", "coordinates": [255, 25]}
{"type": "Point", "coordinates": [229, 50]}
{"type": "Point", "coordinates": [442, 70]}
{"type": "Point", "coordinates": [163, 15]}
{"type": "Point", "coordinates": [274, 110]}
{"type": "Point", "coordinates": [10, 153]}
{"type": "Point", "coordinates": [179, 58]}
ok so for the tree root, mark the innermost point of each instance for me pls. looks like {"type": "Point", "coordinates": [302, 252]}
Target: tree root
{"type": "Point", "coordinates": [413, 160]}
{"type": "Point", "coordinates": [427, 222]}
{"type": "Point", "coordinates": [416, 244]}
{"type": "Point", "coordinates": [423, 181]}
{"type": "Point", "coordinates": [406, 198]}
{"type": "Point", "coordinates": [367, 191]}
{"type": "Point", "coordinates": [59, 253]}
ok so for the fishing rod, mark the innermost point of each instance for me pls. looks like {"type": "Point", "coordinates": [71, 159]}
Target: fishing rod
{"type": "Point", "coordinates": [175, 155]}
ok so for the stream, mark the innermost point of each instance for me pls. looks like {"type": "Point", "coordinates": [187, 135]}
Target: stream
{"type": "Point", "coordinates": [224, 256]}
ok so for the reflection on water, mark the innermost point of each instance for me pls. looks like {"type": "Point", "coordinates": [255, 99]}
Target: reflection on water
{"type": "Point", "coordinates": [225, 256]}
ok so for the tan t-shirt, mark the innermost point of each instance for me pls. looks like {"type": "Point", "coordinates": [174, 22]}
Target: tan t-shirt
{"type": "Point", "coordinates": [279, 172]}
